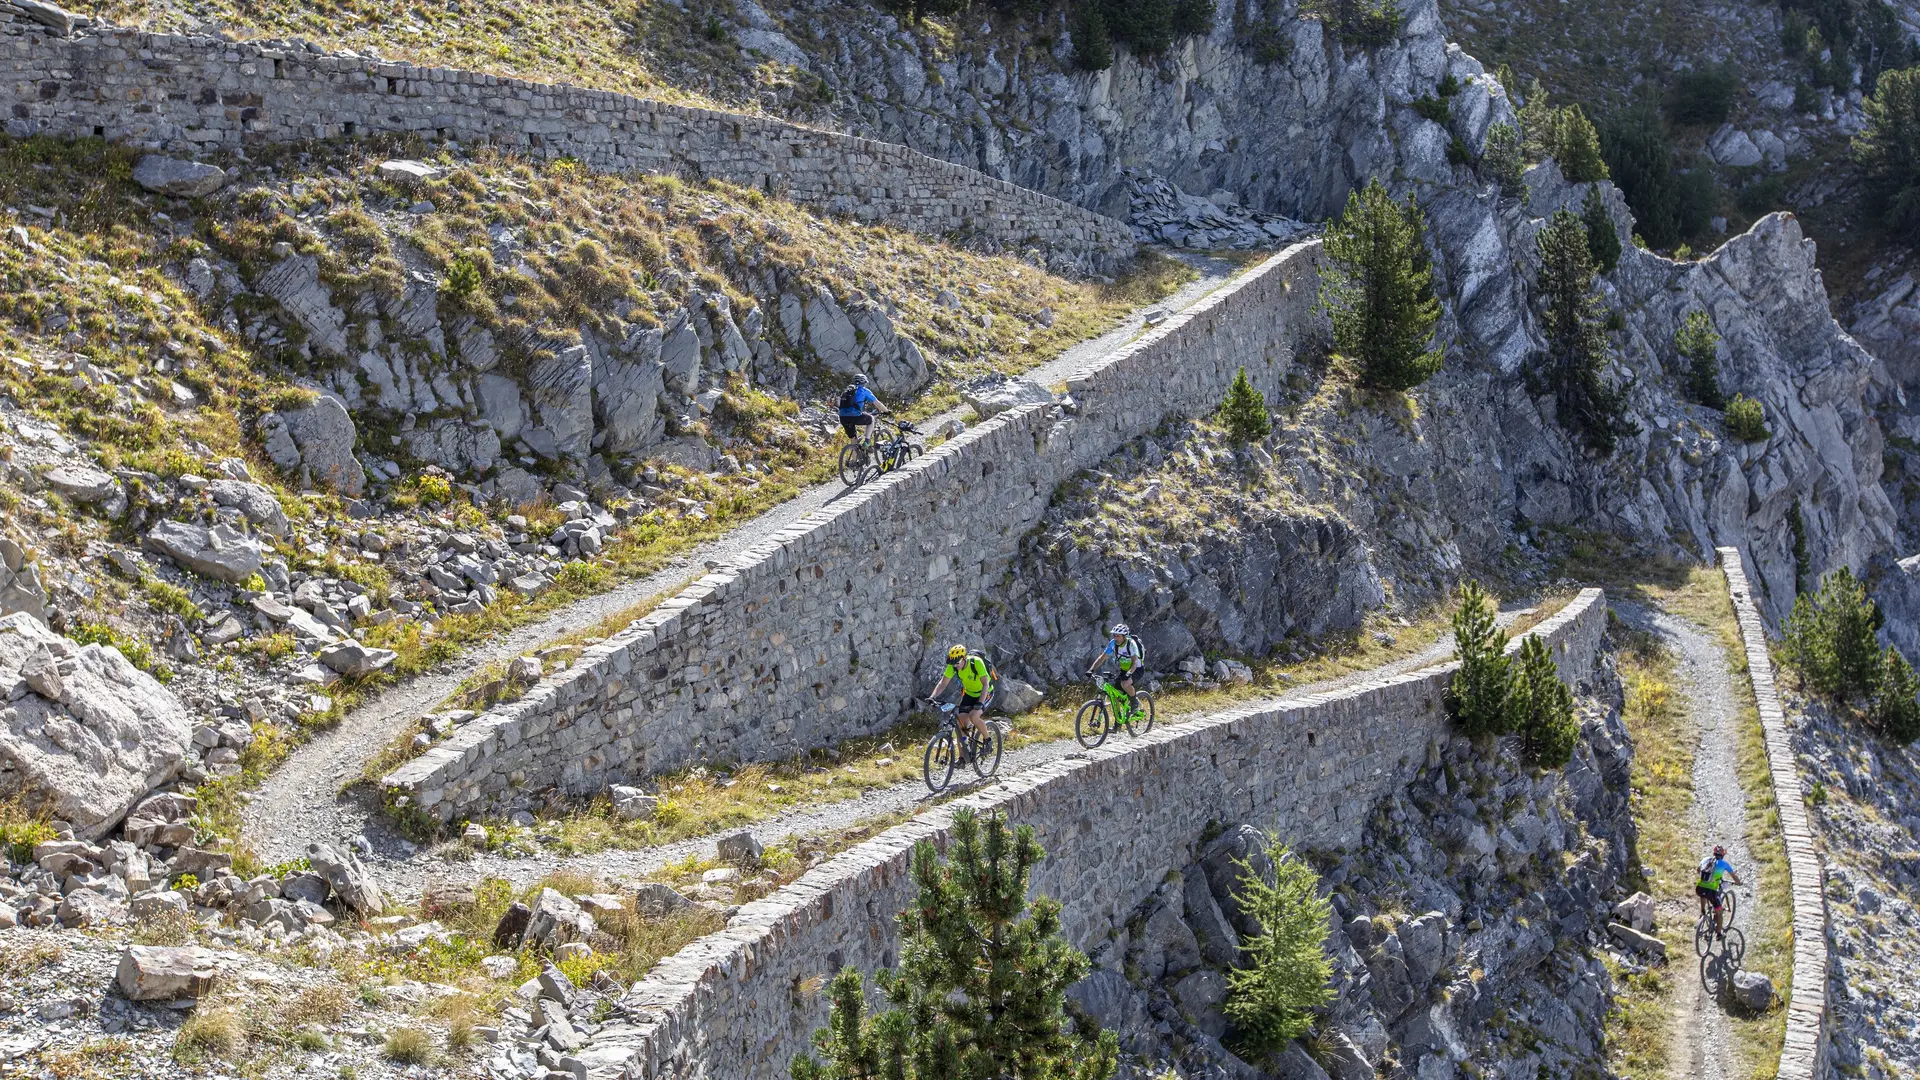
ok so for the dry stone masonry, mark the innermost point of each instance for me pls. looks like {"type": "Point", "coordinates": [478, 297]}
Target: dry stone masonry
{"type": "Point", "coordinates": [823, 631]}
{"type": "Point", "coordinates": [1804, 1051]}
{"type": "Point", "coordinates": [1114, 821]}
{"type": "Point", "coordinates": [186, 93]}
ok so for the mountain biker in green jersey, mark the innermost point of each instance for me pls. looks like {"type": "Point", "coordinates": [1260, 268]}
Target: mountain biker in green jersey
{"type": "Point", "coordinates": [1713, 870]}
{"type": "Point", "coordinates": [1124, 652]}
{"type": "Point", "coordinates": [976, 682]}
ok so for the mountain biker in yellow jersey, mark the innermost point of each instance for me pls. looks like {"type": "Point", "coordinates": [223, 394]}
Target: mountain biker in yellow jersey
{"type": "Point", "coordinates": [976, 682]}
{"type": "Point", "coordinates": [1124, 652]}
{"type": "Point", "coordinates": [1713, 870]}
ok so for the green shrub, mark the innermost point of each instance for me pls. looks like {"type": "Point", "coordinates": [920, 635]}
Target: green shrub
{"type": "Point", "coordinates": [1476, 696]}
{"type": "Point", "coordinates": [1244, 412]}
{"type": "Point", "coordinates": [1542, 707]}
{"type": "Point", "coordinates": [1501, 160]}
{"type": "Point", "coordinates": [408, 1046]}
{"type": "Point", "coordinates": [980, 990]}
{"type": "Point", "coordinates": [1669, 205]}
{"type": "Point", "coordinates": [1745, 420]}
{"type": "Point", "coordinates": [463, 278]}
{"type": "Point", "coordinates": [1368, 24]}
{"type": "Point", "coordinates": [1576, 355]}
{"type": "Point", "coordinates": [1286, 977]}
{"type": "Point", "coordinates": [1887, 151]}
{"type": "Point", "coordinates": [1896, 701]}
{"type": "Point", "coordinates": [1438, 110]}
{"type": "Point", "coordinates": [1830, 639]}
{"type": "Point", "coordinates": [1092, 44]}
{"type": "Point", "coordinates": [1377, 288]}
{"type": "Point", "coordinates": [1603, 240]}
{"type": "Point", "coordinates": [1570, 139]}
{"type": "Point", "coordinates": [1703, 96]}
{"type": "Point", "coordinates": [1699, 347]}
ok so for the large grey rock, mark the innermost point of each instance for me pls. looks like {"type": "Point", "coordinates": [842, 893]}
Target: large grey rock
{"type": "Point", "coordinates": [1423, 943]}
{"type": "Point", "coordinates": [1233, 854]}
{"type": "Point", "coordinates": [680, 356]}
{"type": "Point", "coordinates": [113, 734]}
{"type": "Point", "coordinates": [1219, 943]}
{"type": "Point", "coordinates": [315, 443]}
{"type": "Point", "coordinates": [626, 393]}
{"type": "Point", "coordinates": [656, 899]}
{"type": "Point", "coordinates": [556, 920]}
{"type": "Point", "coordinates": [1292, 1063]}
{"type": "Point", "coordinates": [21, 589]}
{"type": "Point", "coordinates": [348, 877]}
{"type": "Point", "coordinates": [1393, 992]}
{"type": "Point", "coordinates": [992, 395]}
{"type": "Point", "coordinates": [562, 391]}
{"type": "Point", "coordinates": [1752, 991]}
{"type": "Point", "coordinates": [1645, 944]}
{"type": "Point", "coordinates": [1168, 948]}
{"type": "Point", "coordinates": [1636, 911]}
{"type": "Point", "coordinates": [1016, 696]}
{"type": "Point", "coordinates": [88, 486]}
{"type": "Point", "coordinates": [163, 973]}
{"type": "Point", "coordinates": [171, 176]}
{"type": "Point", "coordinates": [740, 849]}
{"type": "Point", "coordinates": [1200, 997]}
{"type": "Point", "coordinates": [462, 448]}
{"type": "Point", "coordinates": [220, 552]}
{"type": "Point", "coordinates": [355, 660]}
{"type": "Point", "coordinates": [49, 15]}
{"type": "Point", "coordinates": [1103, 995]}
{"type": "Point", "coordinates": [294, 283]}
{"type": "Point", "coordinates": [256, 501]}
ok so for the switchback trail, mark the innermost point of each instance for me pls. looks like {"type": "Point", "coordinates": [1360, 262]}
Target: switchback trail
{"type": "Point", "coordinates": [1705, 683]}
{"type": "Point", "coordinates": [302, 801]}
{"type": "Point", "coordinates": [409, 877]}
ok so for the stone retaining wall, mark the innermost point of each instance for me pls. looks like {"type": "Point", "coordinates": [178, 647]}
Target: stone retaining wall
{"type": "Point", "coordinates": [1803, 1054]}
{"type": "Point", "coordinates": [1114, 821]}
{"type": "Point", "coordinates": [186, 93]}
{"type": "Point", "coordinates": [829, 628]}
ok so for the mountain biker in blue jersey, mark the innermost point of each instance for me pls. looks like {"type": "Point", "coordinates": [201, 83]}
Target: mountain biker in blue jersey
{"type": "Point", "coordinates": [1713, 870]}
{"type": "Point", "coordinates": [976, 683]}
{"type": "Point", "coordinates": [857, 406]}
{"type": "Point", "coordinates": [1126, 654]}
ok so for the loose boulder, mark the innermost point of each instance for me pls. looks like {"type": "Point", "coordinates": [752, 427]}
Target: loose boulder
{"type": "Point", "coordinates": [740, 849]}
{"type": "Point", "coordinates": [162, 973]}
{"type": "Point", "coordinates": [992, 395]}
{"type": "Point", "coordinates": [348, 876]}
{"type": "Point", "coordinates": [556, 920]}
{"type": "Point", "coordinates": [351, 658]}
{"type": "Point", "coordinates": [1636, 911]}
{"type": "Point", "coordinates": [314, 444]}
{"type": "Point", "coordinates": [220, 552]}
{"type": "Point", "coordinates": [110, 734]}
{"type": "Point", "coordinates": [1645, 944]}
{"type": "Point", "coordinates": [1752, 991]}
{"type": "Point", "coordinates": [1015, 696]}
{"type": "Point", "coordinates": [183, 179]}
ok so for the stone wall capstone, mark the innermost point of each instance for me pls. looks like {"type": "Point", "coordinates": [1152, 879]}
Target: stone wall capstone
{"type": "Point", "coordinates": [187, 93]}
{"type": "Point", "coordinates": [1803, 1050]}
{"type": "Point", "coordinates": [1114, 822]}
{"type": "Point", "coordinates": [825, 630]}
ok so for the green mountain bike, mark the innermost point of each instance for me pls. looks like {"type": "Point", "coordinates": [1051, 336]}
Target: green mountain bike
{"type": "Point", "coordinates": [953, 745]}
{"type": "Point", "coordinates": [1103, 714]}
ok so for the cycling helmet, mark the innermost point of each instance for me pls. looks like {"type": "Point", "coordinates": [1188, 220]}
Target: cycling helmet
{"type": "Point", "coordinates": [1120, 629]}
{"type": "Point", "coordinates": [1718, 851]}
{"type": "Point", "coordinates": [859, 378]}
{"type": "Point", "coordinates": [958, 652]}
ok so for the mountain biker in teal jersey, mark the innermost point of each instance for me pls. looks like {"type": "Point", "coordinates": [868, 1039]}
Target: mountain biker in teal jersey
{"type": "Point", "coordinates": [976, 682]}
{"type": "Point", "coordinates": [1125, 653]}
{"type": "Point", "coordinates": [857, 406]}
{"type": "Point", "coordinates": [1713, 870]}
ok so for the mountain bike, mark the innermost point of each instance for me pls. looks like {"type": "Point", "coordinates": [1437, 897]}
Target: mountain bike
{"type": "Point", "coordinates": [1733, 943]}
{"type": "Point", "coordinates": [1099, 716]}
{"type": "Point", "coordinates": [899, 449]}
{"type": "Point", "coordinates": [952, 745]}
{"type": "Point", "coordinates": [869, 454]}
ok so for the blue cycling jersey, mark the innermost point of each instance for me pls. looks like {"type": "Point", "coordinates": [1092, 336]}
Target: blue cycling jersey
{"type": "Point", "coordinates": [862, 397]}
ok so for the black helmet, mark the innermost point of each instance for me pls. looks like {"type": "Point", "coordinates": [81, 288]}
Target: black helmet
{"type": "Point", "coordinates": [1719, 852]}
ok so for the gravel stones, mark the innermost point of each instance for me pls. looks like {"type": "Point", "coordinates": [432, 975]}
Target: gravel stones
{"type": "Point", "coordinates": [220, 552]}
{"type": "Point", "coordinates": [181, 179]}
{"type": "Point", "coordinates": [108, 734]}
{"type": "Point", "coordinates": [163, 973]}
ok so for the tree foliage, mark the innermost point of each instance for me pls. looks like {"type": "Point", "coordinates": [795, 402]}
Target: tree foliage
{"type": "Point", "coordinates": [1830, 638]}
{"type": "Point", "coordinates": [1367, 24]}
{"type": "Point", "coordinates": [1702, 96]}
{"type": "Point", "coordinates": [1568, 137]}
{"type": "Point", "coordinates": [1378, 290]}
{"type": "Point", "coordinates": [1285, 976]}
{"type": "Point", "coordinates": [1699, 347]}
{"type": "Point", "coordinates": [1476, 697]}
{"type": "Point", "coordinates": [1746, 420]}
{"type": "Point", "coordinates": [1603, 240]}
{"type": "Point", "coordinates": [1145, 27]}
{"type": "Point", "coordinates": [1888, 151]}
{"type": "Point", "coordinates": [1542, 707]}
{"type": "Point", "coordinates": [1669, 205]}
{"type": "Point", "coordinates": [1501, 161]}
{"type": "Point", "coordinates": [1576, 355]}
{"type": "Point", "coordinates": [980, 991]}
{"type": "Point", "coordinates": [1896, 701]}
{"type": "Point", "coordinates": [1244, 411]}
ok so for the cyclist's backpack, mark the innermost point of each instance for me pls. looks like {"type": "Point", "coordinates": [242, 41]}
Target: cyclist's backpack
{"type": "Point", "coordinates": [850, 399]}
{"type": "Point", "coordinates": [1706, 869]}
{"type": "Point", "coordinates": [1138, 650]}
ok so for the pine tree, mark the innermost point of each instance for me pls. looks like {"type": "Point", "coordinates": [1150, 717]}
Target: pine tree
{"type": "Point", "coordinates": [1542, 707]}
{"type": "Point", "coordinates": [1896, 703]}
{"type": "Point", "coordinates": [1476, 697]}
{"type": "Point", "coordinates": [1377, 288]}
{"type": "Point", "coordinates": [1699, 346]}
{"type": "Point", "coordinates": [1536, 122]}
{"type": "Point", "coordinates": [1576, 336]}
{"type": "Point", "coordinates": [1830, 639]}
{"type": "Point", "coordinates": [1092, 42]}
{"type": "Point", "coordinates": [1603, 240]}
{"type": "Point", "coordinates": [980, 991]}
{"type": "Point", "coordinates": [1244, 411]}
{"type": "Point", "coordinates": [1575, 145]}
{"type": "Point", "coordinates": [1501, 160]}
{"type": "Point", "coordinates": [1887, 149]}
{"type": "Point", "coordinates": [1504, 76]}
{"type": "Point", "coordinates": [1285, 976]}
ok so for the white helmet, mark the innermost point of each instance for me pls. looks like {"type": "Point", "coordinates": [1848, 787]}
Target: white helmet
{"type": "Point", "coordinates": [1120, 629]}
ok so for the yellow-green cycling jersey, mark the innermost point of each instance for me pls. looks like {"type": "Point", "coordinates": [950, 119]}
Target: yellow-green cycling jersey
{"type": "Point", "coordinates": [973, 675]}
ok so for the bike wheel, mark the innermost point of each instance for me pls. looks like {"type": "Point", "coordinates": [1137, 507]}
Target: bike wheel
{"type": "Point", "coordinates": [1703, 936]}
{"type": "Point", "coordinates": [1143, 717]}
{"type": "Point", "coordinates": [1732, 901]}
{"type": "Point", "coordinates": [1090, 726]}
{"type": "Point", "coordinates": [942, 754]}
{"type": "Point", "coordinates": [986, 753]}
{"type": "Point", "coordinates": [853, 464]}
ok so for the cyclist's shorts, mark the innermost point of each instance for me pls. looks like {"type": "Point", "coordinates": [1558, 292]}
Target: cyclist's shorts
{"type": "Point", "coordinates": [1135, 673]}
{"type": "Point", "coordinates": [969, 702]}
{"type": "Point", "coordinates": [852, 424]}
{"type": "Point", "coordinates": [1711, 895]}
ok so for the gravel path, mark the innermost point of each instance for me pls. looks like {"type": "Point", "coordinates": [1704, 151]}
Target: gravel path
{"type": "Point", "coordinates": [1705, 684]}
{"type": "Point", "coordinates": [409, 876]}
{"type": "Point", "coordinates": [302, 801]}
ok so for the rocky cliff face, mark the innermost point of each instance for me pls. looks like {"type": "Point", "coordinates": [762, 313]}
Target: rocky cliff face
{"type": "Point", "coordinates": [1470, 926]}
